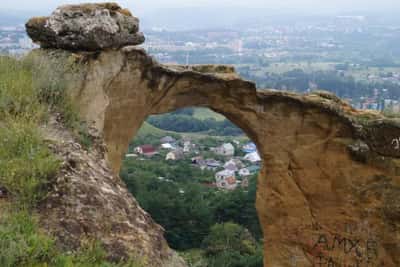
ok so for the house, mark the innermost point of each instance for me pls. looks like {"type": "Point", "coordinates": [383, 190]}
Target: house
{"type": "Point", "coordinates": [224, 174]}
{"type": "Point", "coordinates": [175, 155]}
{"type": "Point", "coordinates": [226, 149]}
{"type": "Point", "coordinates": [249, 170]}
{"type": "Point", "coordinates": [252, 157]}
{"type": "Point", "coordinates": [213, 164]}
{"type": "Point", "coordinates": [244, 172]}
{"type": "Point", "coordinates": [226, 180]}
{"type": "Point", "coordinates": [199, 162]}
{"type": "Point", "coordinates": [245, 183]}
{"type": "Point", "coordinates": [168, 140]}
{"type": "Point", "coordinates": [238, 163]}
{"type": "Point", "coordinates": [231, 167]}
{"type": "Point", "coordinates": [167, 146]}
{"type": "Point", "coordinates": [187, 146]}
{"type": "Point", "coordinates": [146, 150]}
{"type": "Point", "coordinates": [229, 184]}
{"type": "Point", "coordinates": [234, 164]}
{"type": "Point", "coordinates": [249, 148]}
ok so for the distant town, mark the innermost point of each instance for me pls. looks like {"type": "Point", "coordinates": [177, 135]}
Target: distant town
{"type": "Point", "coordinates": [229, 169]}
{"type": "Point", "coordinates": [14, 41]}
{"type": "Point", "coordinates": [338, 54]}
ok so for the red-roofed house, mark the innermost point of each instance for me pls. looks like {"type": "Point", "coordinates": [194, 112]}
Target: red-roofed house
{"type": "Point", "coordinates": [146, 150]}
{"type": "Point", "coordinates": [226, 180]}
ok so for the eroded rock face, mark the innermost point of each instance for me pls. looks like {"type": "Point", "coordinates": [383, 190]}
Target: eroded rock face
{"type": "Point", "coordinates": [88, 201]}
{"type": "Point", "coordinates": [88, 27]}
{"type": "Point", "coordinates": [328, 192]}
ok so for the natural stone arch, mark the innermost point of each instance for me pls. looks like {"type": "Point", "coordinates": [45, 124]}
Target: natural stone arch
{"type": "Point", "coordinates": [328, 189]}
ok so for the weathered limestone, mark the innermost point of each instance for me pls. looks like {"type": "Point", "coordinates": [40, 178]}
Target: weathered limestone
{"type": "Point", "coordinates": [88, 27]}
{"type": "Point", "coordinates": [328, 192]}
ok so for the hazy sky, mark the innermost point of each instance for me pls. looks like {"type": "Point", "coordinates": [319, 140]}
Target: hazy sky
{"type": "Point", "coordinates": [141, 5]}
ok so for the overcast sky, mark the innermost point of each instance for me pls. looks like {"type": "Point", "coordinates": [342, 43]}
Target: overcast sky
{"type": "Point", "coordinates": [148, 5]}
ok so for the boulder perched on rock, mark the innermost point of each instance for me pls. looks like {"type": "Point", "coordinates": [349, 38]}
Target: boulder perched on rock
{"type": "Point", "coordinates": [86, 27]}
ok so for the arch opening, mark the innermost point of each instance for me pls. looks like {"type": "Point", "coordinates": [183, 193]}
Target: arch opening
{"type": "Point", "coordinates": [196, 173]}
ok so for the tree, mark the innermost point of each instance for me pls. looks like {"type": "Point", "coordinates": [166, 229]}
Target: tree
{"type": "Point", "coordinates": [229, 236]}
{"type": "Point", "coordinates": [232, 245]}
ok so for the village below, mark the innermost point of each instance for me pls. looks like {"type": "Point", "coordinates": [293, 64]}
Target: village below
{"type": "Point", "coordinates": [205, 184]}
{"type": "Point", "coordinates": [231, 163]}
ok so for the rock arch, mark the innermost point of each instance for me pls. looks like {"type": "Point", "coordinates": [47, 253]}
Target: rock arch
{"type": "Point", "coordinates": [328, 191]}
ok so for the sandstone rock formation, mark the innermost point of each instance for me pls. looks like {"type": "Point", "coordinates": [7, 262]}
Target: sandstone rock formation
{"type": "Point", "coordinates": [89, 202]}
{"type": "Point", "coordinates": [328, 192]}
{"type": "Point", "coordinates": [87, 27]}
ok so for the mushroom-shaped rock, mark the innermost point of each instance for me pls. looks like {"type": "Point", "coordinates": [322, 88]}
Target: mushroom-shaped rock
{"type": "Point", "coordinates": [86, 27]}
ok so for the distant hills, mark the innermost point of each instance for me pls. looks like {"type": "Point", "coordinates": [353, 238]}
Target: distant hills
{"type": "Point", "coordinates": [189, 18]}
{"type": "Point", "coordinates": [13, 18]}
{"type": "Point", "coordinates": [201, 18]}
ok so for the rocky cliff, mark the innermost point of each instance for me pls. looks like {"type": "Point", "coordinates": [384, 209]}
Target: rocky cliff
{"type": "Point", "coordinates": [328, 192]}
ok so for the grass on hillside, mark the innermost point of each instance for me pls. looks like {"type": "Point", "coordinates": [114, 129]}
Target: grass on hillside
{"type": "Point", "coordinates": [27, 168]}
{"type": "Point", "coordinates": [206, 113]}
{"type": "Point", "coordinates": [148, 133]}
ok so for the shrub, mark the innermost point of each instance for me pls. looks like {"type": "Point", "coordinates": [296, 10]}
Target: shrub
{"type": "Point", "coordinates": [229, 236]}
{"type": "Point", "coordinates": [232, 245]}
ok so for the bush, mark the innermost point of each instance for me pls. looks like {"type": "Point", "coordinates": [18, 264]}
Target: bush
{"type": "Point", "coordinates": [229, 236]}
{"type": "Point", "coordinates": [232, 245]}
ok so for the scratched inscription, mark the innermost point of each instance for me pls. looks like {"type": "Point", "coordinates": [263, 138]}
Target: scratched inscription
{"type": "Point", "coordinates": [337, 251]}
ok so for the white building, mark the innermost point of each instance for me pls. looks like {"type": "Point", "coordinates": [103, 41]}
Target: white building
{"type": "Point", "coordinates": [187, 146]}
{"type": "Point", "coordinates": [252, 157]}
{"type": "Point", "coordinates": [244, 172]}
{"type": "Point", "coordinates": [226, 149]}
{"type": "Point", "coordinates": [167, 146]}
{"type": "Point", "coordinates": [174, 155]}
